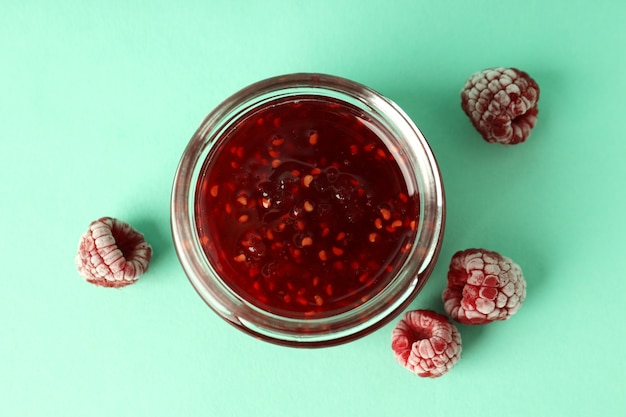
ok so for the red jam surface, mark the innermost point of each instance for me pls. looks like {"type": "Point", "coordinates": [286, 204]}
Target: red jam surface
{"type": "Point", "coordinates": [303, 210]}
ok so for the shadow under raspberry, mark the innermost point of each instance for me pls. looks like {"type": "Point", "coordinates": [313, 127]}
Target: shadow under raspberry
{"type": "Point", "coordinates": [157, 234]}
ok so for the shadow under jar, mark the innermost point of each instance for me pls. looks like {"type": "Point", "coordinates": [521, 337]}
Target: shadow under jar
{"type": "Point", "coordinates": [307, 210]}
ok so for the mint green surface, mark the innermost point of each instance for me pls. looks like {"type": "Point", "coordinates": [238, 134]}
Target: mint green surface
{"type": "Point", "coordinates": [98, 101]}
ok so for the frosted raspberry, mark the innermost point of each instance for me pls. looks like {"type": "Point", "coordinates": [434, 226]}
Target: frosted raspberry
{"type": "Point", "coordinates": [112, 254]}
{"type": "Point", "coordinates": [502, 104]}
{"type": "Point", "coordinates": [483, 286]}
{"type": "Point", "coordinates": [426, 343]}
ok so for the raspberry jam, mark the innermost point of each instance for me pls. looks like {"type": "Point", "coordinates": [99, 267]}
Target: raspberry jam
{"type": "Point", "coordinates": [303, 210]}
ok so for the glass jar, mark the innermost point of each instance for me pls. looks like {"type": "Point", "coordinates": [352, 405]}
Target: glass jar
{"type": "Point", "coordinates": [203, 225]}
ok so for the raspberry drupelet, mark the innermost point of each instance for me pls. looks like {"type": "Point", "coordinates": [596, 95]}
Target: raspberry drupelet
{"type": "Point", "coordinates": [501, 104]}
{"type": "Point", "coordinates": [483, 286]}
{"type": "Point", "coordinates": [426, 343]}
{"type": "Point", "coordinates": [112, 254]}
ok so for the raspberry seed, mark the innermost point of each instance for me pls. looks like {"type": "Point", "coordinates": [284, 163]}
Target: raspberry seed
{"type": "Point", "coordinates": [501, 104]}
{"type": "Point", "coordinates": [112, 254]}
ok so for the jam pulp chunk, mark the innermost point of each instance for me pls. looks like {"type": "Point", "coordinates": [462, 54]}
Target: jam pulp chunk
{"type": "Point", "coordinates": [303, 210]}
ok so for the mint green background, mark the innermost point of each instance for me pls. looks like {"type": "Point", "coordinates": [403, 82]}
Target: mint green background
{"type": "Point", "coordinates": [98, 100]}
